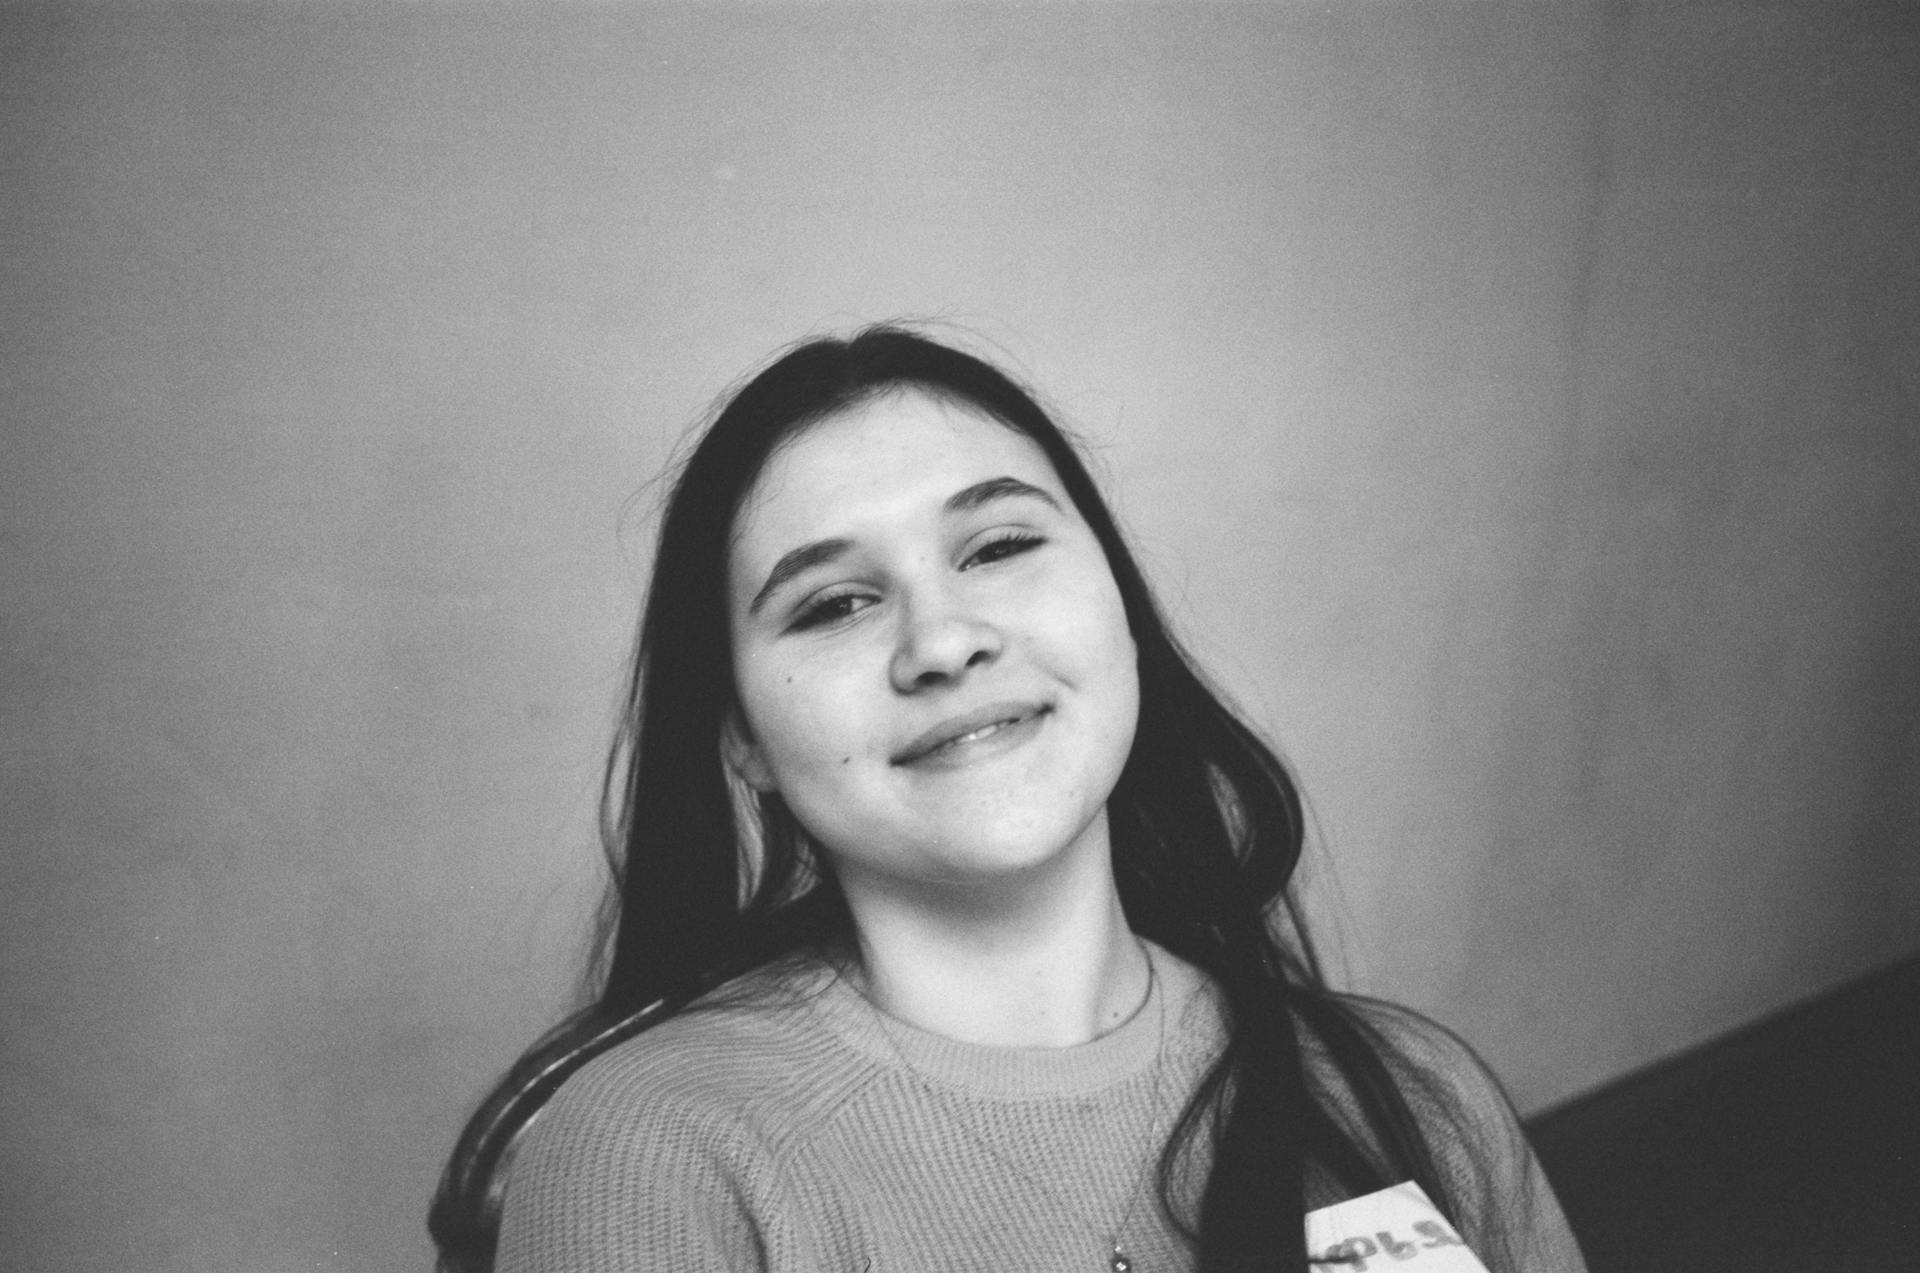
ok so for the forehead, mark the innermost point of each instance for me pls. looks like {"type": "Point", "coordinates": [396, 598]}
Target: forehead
{"type": "Point", "coordinates": [902, 452]}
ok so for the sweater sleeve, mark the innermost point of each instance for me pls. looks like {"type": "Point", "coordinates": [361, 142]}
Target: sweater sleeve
{"type": "Point", "coordinates": [614, 1178]}
{"type": "Point", "coordinates": [1512, 1217]}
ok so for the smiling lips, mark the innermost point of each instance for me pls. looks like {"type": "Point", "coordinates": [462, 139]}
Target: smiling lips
{"type": "Point", "coordinates": [958, 739]}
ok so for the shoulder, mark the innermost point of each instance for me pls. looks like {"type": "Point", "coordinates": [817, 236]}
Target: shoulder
{"type": "Point", "coordinates": [1425, 1060]}
{"type": "Point", "coordinates": [1470, 1127]}
{"type": "Point", "coordinates": [1405, 1028]}
{"type": "Point", "coordinates": [676, 1148]}
{"type": "Point", "coordinates": [751, 1063]}
{"type": "Point", "coordinates": [1463, 1111]}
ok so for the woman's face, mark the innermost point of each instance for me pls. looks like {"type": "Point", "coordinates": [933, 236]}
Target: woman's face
{"type": "Point", "coordinates": [933, 663]}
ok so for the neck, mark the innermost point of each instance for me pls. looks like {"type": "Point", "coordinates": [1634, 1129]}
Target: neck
{"type": "Point", "coordinates": [1047, 963]}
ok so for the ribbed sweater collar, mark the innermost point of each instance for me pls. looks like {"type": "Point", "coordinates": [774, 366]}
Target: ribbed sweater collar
{"type": "Point", "coordinates": [1009, 1073]}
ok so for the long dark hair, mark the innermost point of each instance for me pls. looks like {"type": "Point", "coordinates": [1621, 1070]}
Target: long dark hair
{"type": "Point", "coordinates": [1206, 829]}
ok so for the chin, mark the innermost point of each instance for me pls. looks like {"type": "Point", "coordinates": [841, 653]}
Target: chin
{"type": "Point", "coordinates": [1021, 848]}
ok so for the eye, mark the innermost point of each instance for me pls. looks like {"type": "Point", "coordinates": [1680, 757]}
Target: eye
{"type": "Point", "coordinates": [1010, 544]}
{"type": "Point", "coordinates": [829, 608]}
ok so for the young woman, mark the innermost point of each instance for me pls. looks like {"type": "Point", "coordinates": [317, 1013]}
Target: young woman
{"type": "Point", "coordinates": [952, 926]}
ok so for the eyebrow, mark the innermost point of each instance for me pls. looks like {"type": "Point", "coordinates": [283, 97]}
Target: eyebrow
{"type": "Point", "coordinates": [972, 497]}
{"type": "Point", "coordinates": [822, 551]}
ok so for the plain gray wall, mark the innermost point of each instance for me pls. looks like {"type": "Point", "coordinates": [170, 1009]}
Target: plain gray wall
{"type": "Point", "coordinates": [1514, 401]}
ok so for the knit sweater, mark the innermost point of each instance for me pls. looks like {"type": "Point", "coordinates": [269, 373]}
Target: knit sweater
{"type": "Point", "coordinates": [790, 1127]}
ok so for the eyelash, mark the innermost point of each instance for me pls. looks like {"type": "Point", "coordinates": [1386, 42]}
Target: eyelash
{"type": "Point", "coordinates": [822, 611]}
{"type": "Point", "coordinates": [1014, 542]}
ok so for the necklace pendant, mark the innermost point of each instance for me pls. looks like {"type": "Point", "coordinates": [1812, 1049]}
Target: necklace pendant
{"type": "Point", "coordinates": [1120, 1263]}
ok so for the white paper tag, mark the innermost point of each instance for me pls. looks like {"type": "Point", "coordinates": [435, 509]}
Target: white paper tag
{"type": "Point", "coordinates": [1397, 1228]}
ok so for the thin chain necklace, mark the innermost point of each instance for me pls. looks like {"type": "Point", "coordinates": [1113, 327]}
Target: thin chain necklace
{"type": "Point", "coordinates": [1118, 1261]}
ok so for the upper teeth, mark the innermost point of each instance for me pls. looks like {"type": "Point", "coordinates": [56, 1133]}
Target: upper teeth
{"type": "Point", "coordinates": [980, 733]}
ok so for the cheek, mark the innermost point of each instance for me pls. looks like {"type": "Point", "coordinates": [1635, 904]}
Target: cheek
{"type": "Point", "coordinates": [1116, 665]}
{"type": "Point", "coordinates": [803, 719]}
{"type": "Point", "coordinates": [1092, 622]}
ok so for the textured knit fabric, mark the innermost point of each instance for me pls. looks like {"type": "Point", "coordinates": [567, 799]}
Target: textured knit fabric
{"type": "Point", "coordinates": [796, 1128]}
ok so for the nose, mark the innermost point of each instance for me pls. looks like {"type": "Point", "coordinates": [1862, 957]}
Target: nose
{"type": "Point", "coordinates": [938, 643]}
